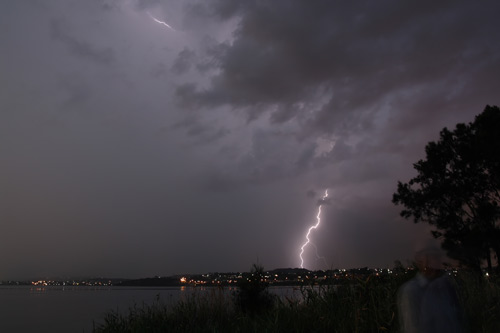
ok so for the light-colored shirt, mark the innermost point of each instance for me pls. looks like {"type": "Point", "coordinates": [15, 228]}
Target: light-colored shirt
{"type": "Point", "coordinates": [409, 303]}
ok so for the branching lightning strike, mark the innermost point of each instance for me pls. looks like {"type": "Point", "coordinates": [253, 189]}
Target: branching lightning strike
{"type": "Point", "coordinates": [318, 219]}
{"type": "Point", "coordinates": [161, 22]}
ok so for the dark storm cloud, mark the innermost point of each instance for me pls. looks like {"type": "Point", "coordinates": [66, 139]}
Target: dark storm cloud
{"type": "Point", "coordinates": [376, 80]}
{"type": "Point", "coordinates": [354, 55]}
{"type": "Point", "coordinates": [200, 131]}
{"type": "Point", "coordinates": [184, 61]}
{"type": "Point", "coordinates": [78, 45]}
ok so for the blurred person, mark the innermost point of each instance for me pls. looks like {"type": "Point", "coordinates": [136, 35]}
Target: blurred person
{"type": "Point", "coordinates": [440, 310]}
{"type": "Point", "coordinates": [410, 297]}
{"type": "Point", "coordinates": [429, 302]}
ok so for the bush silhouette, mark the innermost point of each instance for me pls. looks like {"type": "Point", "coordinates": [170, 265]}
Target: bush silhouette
{"type": "Point", "coordinates": [253, 296]}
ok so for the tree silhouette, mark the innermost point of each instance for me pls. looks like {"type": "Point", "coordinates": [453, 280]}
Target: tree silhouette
{"type": "Point", "coordinates": [457, 189]}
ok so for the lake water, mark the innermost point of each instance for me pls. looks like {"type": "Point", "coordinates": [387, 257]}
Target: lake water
{"type": "Point", "coordinates": [74, 309]}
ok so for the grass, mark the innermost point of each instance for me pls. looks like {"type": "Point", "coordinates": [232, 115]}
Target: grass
{"type": "Point", "coordinates": [480, 300]}
{"type": "Point", "coordinates": [363, 305]}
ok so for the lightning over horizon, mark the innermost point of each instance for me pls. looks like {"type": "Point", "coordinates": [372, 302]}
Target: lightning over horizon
{"type": "Point", "coordinates": [318, 221]}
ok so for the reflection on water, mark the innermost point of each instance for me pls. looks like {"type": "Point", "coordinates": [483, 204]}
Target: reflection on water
{"type": "Point", "coordinates": [38, 290]}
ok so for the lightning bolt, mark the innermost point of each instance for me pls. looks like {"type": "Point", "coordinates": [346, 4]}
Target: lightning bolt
{"type": "Point", "coordinates": [161, 22]}
{"type": "Point", "coordinates": [318, 219]}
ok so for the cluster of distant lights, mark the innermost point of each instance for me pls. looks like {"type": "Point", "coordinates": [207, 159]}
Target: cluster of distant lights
{"type": "Point", "coordinates": [235, 279]}
{"type": "Point", "coordinates": [46, 283]}
{"type": "Point", "coordinates": [268, 278]}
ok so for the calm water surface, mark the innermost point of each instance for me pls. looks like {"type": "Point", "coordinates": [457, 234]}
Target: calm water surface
{"type": "Point", "coordinates": [75, 309]}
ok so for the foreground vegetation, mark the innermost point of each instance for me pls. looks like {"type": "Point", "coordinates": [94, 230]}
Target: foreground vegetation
{"type": "Point", "coordinates": [364, 305]}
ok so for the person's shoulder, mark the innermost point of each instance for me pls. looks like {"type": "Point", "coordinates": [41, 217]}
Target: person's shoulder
{"type": "Point", "coordinates": [442, 283]}
{"type": "Point", "coordinates": [413, 286]}
{"type": "Point", "coordinates": [442, 280]}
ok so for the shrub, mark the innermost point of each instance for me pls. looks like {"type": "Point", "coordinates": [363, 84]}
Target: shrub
{"type": "Point", "coordinates": [253, 295]}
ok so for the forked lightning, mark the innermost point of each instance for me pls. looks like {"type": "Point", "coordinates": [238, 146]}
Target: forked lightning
{"type": "Point", "coordinates": [318, 221]}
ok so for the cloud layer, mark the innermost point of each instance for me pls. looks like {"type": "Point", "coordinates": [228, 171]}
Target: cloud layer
{"type": "Point", "coordinates": [131, 149]}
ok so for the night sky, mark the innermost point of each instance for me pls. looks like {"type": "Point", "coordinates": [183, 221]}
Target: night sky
{"type": "Point", "coordinates": [129, 148]}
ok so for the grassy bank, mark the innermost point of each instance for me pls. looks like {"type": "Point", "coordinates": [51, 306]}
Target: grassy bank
{"type": "Point", "coordinates": [366, 305]}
